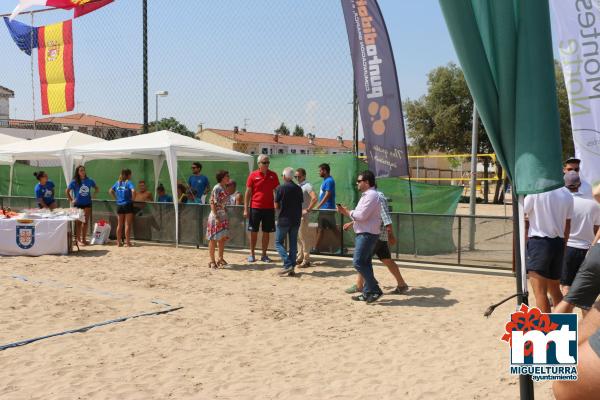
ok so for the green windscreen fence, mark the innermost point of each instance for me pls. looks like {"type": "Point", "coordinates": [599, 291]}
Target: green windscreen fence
{"type": "Point", "coordinates": [420, 234]}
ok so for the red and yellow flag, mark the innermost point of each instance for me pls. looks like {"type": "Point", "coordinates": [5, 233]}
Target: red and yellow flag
{"type": "Point", "coordinates": [55, 63]}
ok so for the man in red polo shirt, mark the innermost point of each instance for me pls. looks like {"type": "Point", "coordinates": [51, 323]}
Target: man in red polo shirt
{"type": "Point", "coordinates": [259, 205]}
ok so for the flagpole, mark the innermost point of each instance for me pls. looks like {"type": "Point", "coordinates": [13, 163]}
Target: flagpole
{"type": "Point", "coordinates": [145, 62]}
{"type": "Point", "coordinates": [525, 382]}
{"type": "Point", "coordinates": [32, 81]}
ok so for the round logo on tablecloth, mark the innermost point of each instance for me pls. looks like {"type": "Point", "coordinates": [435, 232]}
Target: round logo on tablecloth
{"type": "Point", "coordinates": [25, 236]}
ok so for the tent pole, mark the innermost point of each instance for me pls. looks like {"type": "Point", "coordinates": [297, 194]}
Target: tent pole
{"type": "Point", "coordinates": [145, 62]}
{"type": "Point", "coordinates": [525, 381]}
{"type": "Point", "coordinates": [10, 179]}
{"type": "Point", "coordinates": [473, 197]}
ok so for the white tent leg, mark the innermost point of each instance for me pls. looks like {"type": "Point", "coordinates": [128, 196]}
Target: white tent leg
{"type": "Point", "coordinates": [10, 179]}
{"type": "Point", "coordinates": [171, 158]}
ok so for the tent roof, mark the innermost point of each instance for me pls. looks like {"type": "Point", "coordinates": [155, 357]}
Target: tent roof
{"type": "Point", "coordinates": [156, 144]}
{"type": "Point", "coordinates": [49, 147]}
{"type": "Point", "coordinates": [7, 139]}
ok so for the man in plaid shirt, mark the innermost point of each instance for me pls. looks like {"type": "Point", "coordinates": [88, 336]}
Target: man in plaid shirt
{"type": "Point", "coordinates": [382, 250]}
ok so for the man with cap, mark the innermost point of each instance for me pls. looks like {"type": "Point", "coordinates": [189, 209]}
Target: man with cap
{"type": "Point", "coordinates": [584, 226]}
{"type": "Point", "coordinates": [548, 225]}
{"type": "Point", "coordinates": [573, 164]}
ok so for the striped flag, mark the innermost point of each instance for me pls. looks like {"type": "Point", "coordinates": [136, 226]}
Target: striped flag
{"type": "Point", "coordinates": [55, 64]}
{"type": "Point", "coordinates": [81, 7]}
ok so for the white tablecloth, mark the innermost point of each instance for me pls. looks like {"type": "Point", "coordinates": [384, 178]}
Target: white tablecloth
{"type": "Point", "coordinates": [36, 238]}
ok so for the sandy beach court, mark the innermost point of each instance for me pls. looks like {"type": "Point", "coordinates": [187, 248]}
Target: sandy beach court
{"type": "Point", "coordinates": [246, 333]}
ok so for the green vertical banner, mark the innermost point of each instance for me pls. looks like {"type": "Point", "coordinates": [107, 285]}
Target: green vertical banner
{"type": "Point", "coordinates": [505, 50]}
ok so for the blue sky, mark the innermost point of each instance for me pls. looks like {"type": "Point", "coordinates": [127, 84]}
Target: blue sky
{"type": "Point", "coordinates": [270, 61]}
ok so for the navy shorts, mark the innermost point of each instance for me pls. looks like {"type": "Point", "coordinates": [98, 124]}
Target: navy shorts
{"type": "Point", "coordinates": [382, 250]}
{"type": "Point", "coordinates": [544, 256]}
{"type": "Point", "coordinates": [264, 217]}
{"type": "Point", "coordinates": [586, 286]}
{"type": "Point", "coordinates": [125, 209]}
{"type": "Point", "coordinates": [573, 259]}
{"type": "Point", "coordinates": [326, 220]}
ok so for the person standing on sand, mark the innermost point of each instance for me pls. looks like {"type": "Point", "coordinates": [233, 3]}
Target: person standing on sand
{"type": "Point", "coordinates": [259, 206]}
{"type": "Point", "coordinates": [548, 226]}
{"type": "Point", "coordinates": [382, 250]}
{"type": "Point", "coordinates": [288, 200]}
{"type": "Point", "coordinates": [367, 225]}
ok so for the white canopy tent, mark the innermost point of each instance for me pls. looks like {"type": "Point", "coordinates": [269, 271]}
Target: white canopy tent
{"type": "Point", "coordinates": [55, 147]}
{"type": "Point", "coordinates": [160, 147]}
{"type": "Point", "coordinates": [6, 140]}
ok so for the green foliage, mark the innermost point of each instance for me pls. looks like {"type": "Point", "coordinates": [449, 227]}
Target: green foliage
{"type": "Point", "coordinates": [298, 130]}
{"type": "Point", "coordinates": [442, 119]}
{"type": "Point", "coordinates": [283, 130]}
{"type": "Point", "coordinates": [170, 124]}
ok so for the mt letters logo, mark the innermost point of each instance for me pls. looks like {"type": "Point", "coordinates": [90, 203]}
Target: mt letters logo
{"type": "Point", "coordinates": [542, 345]}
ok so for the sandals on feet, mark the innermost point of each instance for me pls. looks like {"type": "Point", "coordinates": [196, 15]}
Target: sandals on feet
{"type": "Point", "coordinates": [212, 265]}
{"type": "Point", "coordinates": [222, 262]}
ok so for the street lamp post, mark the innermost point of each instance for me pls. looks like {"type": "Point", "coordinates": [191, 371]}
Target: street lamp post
{"type": "Point", "coordinates": [161, 93]}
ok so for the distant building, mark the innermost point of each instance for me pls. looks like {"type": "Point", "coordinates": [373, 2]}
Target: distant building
{"type": "Point", "coordinates": [267, 143]}
{"type": "Point", "coordinates": [5, 96]}
{"type": "Point", "coordinates": [104, 128]}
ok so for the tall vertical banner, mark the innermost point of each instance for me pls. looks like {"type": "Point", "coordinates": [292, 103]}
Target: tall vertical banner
{"type": "Point", "coordinates": [577, 24]}
{"type": "Point", "coordinates": [55, 64]}
{"type": "Point", "coordinates": [377, 88]}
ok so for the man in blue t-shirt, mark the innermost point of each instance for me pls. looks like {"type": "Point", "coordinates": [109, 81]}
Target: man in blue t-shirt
{"type": "Point", "coordinates": [326, 202]}
{"type": "Point", "coordinates": [197, 183]}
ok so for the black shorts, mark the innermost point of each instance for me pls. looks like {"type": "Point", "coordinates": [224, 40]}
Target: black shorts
{"type": "Point", "coordinates": [586, 286]}
{"type": "Point", "coordinates": [125, 209]}
{"type": "Point", "coordinates": [261, 216]}
{"type": "Point", "coordinates": [326, 220]}
{"type": "Point", "coordinates": [382, 250]}
{"type": "Point", "coordinates": [82, 207]}
{"type": "Point", "coordinates": [573, 259]}
{"type": "Point", "coordinates": [544, 255]}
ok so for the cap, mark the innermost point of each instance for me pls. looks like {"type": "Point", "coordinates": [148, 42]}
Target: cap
{"type": "Point", "coordinates": [572, 160]}
{"type": "Point", "coordinates": [572, 179]}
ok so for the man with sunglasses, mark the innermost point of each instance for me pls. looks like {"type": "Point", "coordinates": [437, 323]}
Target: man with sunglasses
{"type": "Point", "coordinates": [367, 225]}
{"type": "Point", "coordinates": [198, 184]}
{"type": "Point", "coordinates": [574, 164]}
{"type": "Point", "coordinates": [259, 206]}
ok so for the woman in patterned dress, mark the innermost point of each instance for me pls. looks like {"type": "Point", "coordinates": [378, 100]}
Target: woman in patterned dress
{"type": "Point", "coordinates": [217, 226]}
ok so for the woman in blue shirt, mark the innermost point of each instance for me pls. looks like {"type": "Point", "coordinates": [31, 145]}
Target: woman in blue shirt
{"type": "Point", "coordinates": [79, 193]}
{"type": "Point", "coordinates": [123, 192]}
{"type": "Point", "coordinates": [44, 191]}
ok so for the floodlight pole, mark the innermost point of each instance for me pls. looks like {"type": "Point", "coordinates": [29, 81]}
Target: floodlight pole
{"type": "Point", "coordinates": [473, 197]}
{"type": "Point", "coordinates": [145, 62]}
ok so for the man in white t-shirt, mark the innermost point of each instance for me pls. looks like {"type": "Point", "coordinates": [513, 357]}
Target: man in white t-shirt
{"type": "Point", "coordinates": [548, 226]}
{"type": "Point", "coordinates": [573, 164]}
{"type": "Point", "coordinates": [584, 226]}
{"type": "Point", "coordinates": [310, 200]}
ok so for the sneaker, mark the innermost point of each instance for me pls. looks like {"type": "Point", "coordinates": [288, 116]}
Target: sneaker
{"type": "Point", "coordinates": [265, 259]}
{"type": "Point", "coordinates": [400, 290]}
{"type": "Point", "coordinates": [289, 271]}
{"type": "Point", "coordinates": [251, 259]}
{"type": "Point", "coordinates": [373, 297]}
{"type": "Point", "coordinates": [360, 297]}
{"type": "Point", "coordinates": [352, 289]}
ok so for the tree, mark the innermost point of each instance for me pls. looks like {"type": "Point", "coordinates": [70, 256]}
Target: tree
{"type": "Point", "coordinates": [282, 130]}
{"type": "Point", "coordinates": [298, 130]}
{"type": "Point", "coordinates": [170, 124]}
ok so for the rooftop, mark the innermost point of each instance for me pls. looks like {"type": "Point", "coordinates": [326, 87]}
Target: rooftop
{"type": "Point", "coordinates": [90, 120]}
{"type": "Point", "coordinates": [260, 137]}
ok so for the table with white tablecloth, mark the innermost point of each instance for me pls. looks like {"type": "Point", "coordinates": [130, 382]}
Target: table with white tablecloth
{"type": "Point", "coordinates": [34, 237]}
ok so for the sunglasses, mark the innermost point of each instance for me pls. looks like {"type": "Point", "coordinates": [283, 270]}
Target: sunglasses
{"type": "Point", "coordinates": [297, 176]}
{"type": "Point", "coordinates": [359, 181]}
{"type": "Point", "coordinates": [265, 162]}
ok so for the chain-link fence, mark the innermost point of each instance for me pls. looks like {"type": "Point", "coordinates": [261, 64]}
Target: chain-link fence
{"type": "Point", "coordinates": [433, 238]}
{"type": "Point", "coordinates": [252, 64]}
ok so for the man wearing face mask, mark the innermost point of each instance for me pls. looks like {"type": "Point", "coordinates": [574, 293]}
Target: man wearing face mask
{"type": "Point", "coordinates": [573, 164]}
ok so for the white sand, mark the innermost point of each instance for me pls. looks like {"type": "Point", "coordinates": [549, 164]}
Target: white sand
{"type": "Point", "coordinates": [246, 333]}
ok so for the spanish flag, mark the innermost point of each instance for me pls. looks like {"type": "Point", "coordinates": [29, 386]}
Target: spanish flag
{"type": "Point", "coordinates": [55, 64]}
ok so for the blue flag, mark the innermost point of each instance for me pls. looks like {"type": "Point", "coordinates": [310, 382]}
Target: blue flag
{"type": "Point", "coordinates": [25, 36]}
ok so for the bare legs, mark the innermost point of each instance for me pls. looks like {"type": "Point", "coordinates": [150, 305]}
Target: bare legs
{"type": "Point", "coordinates": [541, 287]}
{"type": "Point", "coordinates": [254, 240]}
{"type": "Point", "coordinates": [124, 220]}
